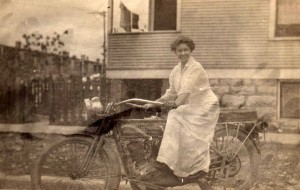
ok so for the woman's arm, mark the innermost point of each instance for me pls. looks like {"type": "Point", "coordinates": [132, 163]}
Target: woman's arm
{"type": "Point", "coordinates": [182, 99]}
{"type": "Point", "coordinates": [170, 93]}
{"type": "Point", "coordinates": [188, 83]}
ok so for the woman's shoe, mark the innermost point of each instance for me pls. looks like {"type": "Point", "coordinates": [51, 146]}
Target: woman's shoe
{"type": "Point", "coordinates": [192, 178]}
{"type": "Point", "coordinates": [161, 178]}
{"type": "Point", "coordinates": [162, 175]}
{"type": "Point", "coordinates": [160, 166]}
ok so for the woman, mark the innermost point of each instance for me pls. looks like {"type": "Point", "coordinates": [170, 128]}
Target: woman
{"type": "Point", "coordinates": [190, 127]}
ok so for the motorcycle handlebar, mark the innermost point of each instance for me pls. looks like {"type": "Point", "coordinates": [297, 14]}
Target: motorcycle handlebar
{"type": "Point", "coordinates": [138, 100]}
{"type": "Point", "coordinates": [132, 102]}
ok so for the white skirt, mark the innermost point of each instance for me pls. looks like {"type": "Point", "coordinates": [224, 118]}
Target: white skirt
{"type": "Point", "coordinates": [187, 137]}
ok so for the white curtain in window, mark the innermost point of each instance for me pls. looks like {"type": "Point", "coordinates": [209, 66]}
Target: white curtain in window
{"type": "Point", "coordinates": [139, 7]}
{"type": "Point", "coordinates": [288, 12]}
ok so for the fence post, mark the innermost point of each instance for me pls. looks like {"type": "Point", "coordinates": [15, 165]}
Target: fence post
{"type": "Point", "coordinates": [22, 91]}
{"type": "Point", "coordinates": [52, 102]}
{"type": "Point", "coordinates": [72, 99]}
{"type": "Point", "coordinates": [103, 84]}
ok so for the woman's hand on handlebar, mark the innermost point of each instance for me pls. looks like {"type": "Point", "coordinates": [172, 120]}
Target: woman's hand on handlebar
{"type": "Point", "coordinates": [167, 104]}
{"type": "Point", "coordinates": [170, 104]}
{"type": "Point", "coordinates": [148, 106]}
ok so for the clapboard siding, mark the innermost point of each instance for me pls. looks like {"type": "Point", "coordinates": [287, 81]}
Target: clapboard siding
{"type": "Point", "coordinates": [141, 50]}
{"type": "Point", "coordinates": [227, 33]}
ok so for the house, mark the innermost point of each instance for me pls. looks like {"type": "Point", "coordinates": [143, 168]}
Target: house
{"type": "Point", "coordinates": [249, 48]}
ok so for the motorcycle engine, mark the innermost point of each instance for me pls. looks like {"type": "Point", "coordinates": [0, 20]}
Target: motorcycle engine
{"type": "Point", "coordinates": [141, 141]}
{"type": "Point", "coordinates": [142, 153]}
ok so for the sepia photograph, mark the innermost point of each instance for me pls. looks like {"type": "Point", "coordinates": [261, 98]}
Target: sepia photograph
{"type": "Point", "coordinates": [150, 95]}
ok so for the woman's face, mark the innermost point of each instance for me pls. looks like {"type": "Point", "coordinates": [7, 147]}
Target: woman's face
{"type": "Point", "coordinates": [183, 52]}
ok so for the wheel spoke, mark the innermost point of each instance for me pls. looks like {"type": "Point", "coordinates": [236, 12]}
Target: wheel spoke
{"type": "Point", "coordinates": [217, 144]}
{"type": "Point", "coordinates": [223, 144]}
{"type": "Point", "coordinates": [231, 141]}
{"type": "Point", "coordinates": [75, 153]}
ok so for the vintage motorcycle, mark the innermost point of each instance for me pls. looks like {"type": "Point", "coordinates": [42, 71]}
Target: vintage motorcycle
{"type": "Point", "coordinates": [114, 147]}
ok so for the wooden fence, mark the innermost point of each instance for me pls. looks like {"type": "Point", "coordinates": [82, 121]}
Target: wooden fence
{"type": "Point", "coordinates": [19, 103]}
{"type": "Point", "coordinates": [62, 100]}
{"type": "Point", "coordinates": [67, 100]}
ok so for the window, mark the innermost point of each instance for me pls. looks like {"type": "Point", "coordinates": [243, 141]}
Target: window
{"type": "Point", "coordinates": [290, 100]}
{"type": "Point", "coordinates": [144, 15]}
{"type": "Point", "coordinates": [285, 18]}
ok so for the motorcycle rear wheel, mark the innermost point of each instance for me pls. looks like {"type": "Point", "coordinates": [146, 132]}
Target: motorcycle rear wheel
{"type": "Point", "coordinates": [243, 168]}
{"type": "Point", "coordinates": [56, 168]}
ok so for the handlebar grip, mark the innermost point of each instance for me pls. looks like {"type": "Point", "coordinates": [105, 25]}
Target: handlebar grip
{"type": "Point", "coordinates": [137, 100]}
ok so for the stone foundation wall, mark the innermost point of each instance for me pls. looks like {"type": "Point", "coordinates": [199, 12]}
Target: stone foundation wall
{"type": "Point", "coordinates": [256, 94]}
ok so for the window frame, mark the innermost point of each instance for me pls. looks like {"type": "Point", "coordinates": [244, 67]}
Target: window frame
{"type": "Point", "coordinates": [151, 6]}
{"type": "Point", "coordinates": [280, 95]}
{"type": "Point", "coordinates": [272, 26]}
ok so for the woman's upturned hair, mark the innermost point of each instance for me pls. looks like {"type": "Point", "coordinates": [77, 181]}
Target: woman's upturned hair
{"type": "Point", "coordinates": [183, 40]}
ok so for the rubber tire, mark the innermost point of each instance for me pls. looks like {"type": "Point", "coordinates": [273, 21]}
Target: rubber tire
{"type": "Point", "coordinates": [252, 152]}
{"type": "Point", "coordinates": [113, 163]}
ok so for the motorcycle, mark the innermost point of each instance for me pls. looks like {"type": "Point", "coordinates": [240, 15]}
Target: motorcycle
{"type": "Point", "coordinates": [115, 148]}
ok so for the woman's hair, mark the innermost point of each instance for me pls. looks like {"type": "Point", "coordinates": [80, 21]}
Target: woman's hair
{"type": "Point", "coordinates": [183, 40]}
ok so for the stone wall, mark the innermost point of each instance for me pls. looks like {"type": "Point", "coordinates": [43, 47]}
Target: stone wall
{"type": "Point", "coordinates": [256, 94]}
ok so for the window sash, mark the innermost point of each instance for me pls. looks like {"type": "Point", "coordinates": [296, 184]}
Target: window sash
{"type": "Point", "coordinates": [290, 99]}
{"type": "Point", "coordinates": [273, 34]}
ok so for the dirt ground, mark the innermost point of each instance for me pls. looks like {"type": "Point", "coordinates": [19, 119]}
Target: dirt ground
{"type": "Point", "coordinates": [279, 168]}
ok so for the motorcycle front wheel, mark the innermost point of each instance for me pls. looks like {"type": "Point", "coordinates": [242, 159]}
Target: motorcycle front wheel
{"type": "Point", "coordinates": [242, 160]}
{"type": "Point", "coordinates": [57, 168]}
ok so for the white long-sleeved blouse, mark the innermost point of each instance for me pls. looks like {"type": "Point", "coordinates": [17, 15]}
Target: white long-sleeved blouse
{"type": "Point", "coordinates": [192, 79]}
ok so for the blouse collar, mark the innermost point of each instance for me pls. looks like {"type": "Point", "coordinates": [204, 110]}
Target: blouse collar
{"type": "Point", "coordinates": [188, 63]}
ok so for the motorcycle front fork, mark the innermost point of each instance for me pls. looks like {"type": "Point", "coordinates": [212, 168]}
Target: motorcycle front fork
{"type": "Point", "coordinates": [96, 146]}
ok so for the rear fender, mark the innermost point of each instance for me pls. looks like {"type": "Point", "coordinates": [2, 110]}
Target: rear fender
{"type": "Point", "coordinates": [245, 132]}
